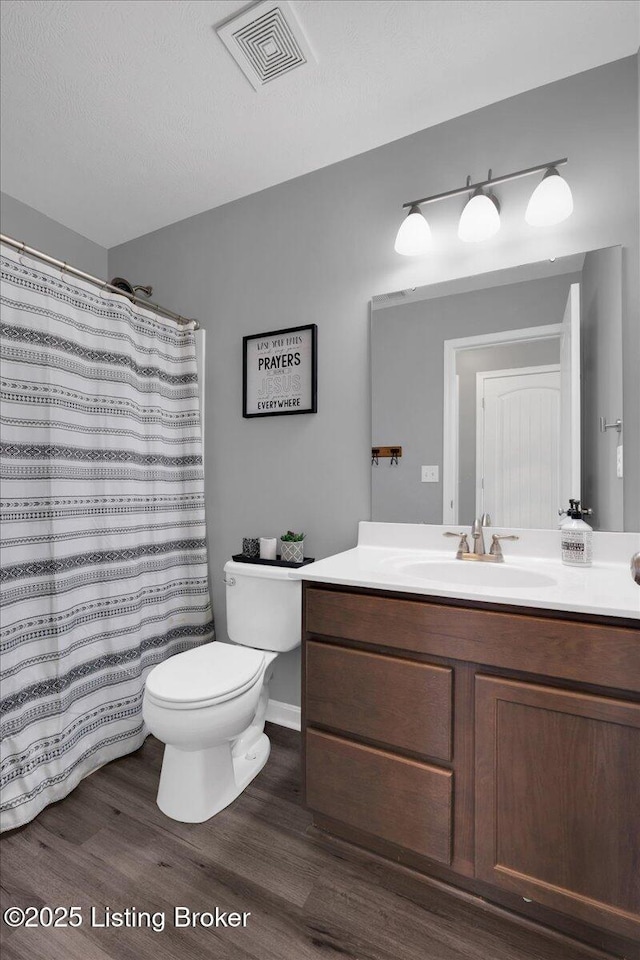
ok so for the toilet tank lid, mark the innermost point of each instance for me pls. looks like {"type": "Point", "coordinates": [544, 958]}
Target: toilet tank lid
{"type": "Point", "coordinates": [211, 673]}
{"type": "Point", "coordinates": [260, 571]}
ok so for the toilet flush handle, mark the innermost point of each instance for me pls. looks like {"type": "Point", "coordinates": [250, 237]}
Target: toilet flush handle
{"type": "Point", "coordinates": [230, 581]}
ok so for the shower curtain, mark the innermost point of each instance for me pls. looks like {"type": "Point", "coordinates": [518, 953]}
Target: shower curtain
{"type": "Point", "coordinates": [104, 563]}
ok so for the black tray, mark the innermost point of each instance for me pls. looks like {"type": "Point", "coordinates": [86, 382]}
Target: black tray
{"type": "Point", "coordinates": [240, 558]}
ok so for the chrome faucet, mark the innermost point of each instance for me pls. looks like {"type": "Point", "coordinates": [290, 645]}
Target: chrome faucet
{"type": "Point", "coordinates": [477, 534]}
{"type": "Point", "coordinates": [478, 551]}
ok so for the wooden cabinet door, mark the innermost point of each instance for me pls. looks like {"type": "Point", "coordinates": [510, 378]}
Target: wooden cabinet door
{"type": "Point", "coordinates": [558, 800]}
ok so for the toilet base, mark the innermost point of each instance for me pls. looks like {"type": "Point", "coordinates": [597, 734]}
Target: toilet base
{"type": "Point", "coordinates": [250, 764]}
{"type": "Point", "coordinates": [197, 784]}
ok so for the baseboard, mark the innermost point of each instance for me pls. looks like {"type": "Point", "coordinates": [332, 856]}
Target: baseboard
{"type": "Point", "coordinates": [284, 714]}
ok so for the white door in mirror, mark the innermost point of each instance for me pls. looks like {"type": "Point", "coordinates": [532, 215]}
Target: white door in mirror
{"type": "Point", "coordinates": [518, 482]}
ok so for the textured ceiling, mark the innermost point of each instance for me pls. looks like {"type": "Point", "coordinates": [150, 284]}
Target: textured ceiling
{"type": "Point", "coordinates": [121, 117]}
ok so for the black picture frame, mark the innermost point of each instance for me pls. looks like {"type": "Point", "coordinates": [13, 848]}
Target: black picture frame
{"type": "Point", "coordinates": [285, 398]}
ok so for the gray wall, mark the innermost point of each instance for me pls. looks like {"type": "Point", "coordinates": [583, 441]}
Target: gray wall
{"type": "Point", "coordinates": [407, 346]}
{"type": "Point", "coordinates": [315, 249]}
{"type": "Point", "coordinates": [506, 356]}
{"type": "Point", "coordinates": [23, 223]}
{"type": "Point", "coordinates": [602, 388]}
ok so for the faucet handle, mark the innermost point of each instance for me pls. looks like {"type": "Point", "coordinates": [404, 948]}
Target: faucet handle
{"type": "Point", "coordinates": [496, 549]}
{"type": "Point", "coordinates": [463, 546]}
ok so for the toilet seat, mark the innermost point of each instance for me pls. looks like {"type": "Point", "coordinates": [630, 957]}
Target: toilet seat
{"type": "Point", "coordinates": [206, 675]}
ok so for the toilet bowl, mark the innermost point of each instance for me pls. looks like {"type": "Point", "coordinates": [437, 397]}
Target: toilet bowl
{"type": "Point", "coordinates": [208, 704]}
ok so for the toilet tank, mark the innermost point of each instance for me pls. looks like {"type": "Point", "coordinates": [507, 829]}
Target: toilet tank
{"type": "Point", "coordinates": [264, 606]}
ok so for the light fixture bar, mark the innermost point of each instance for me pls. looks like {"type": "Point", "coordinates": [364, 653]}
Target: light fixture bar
{"type": "Point", "coordinates": [470, 187]}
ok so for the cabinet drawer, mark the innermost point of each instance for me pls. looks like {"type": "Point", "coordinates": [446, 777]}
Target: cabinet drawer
{"type": "Point", "coordinates": [397, 702]}
{"type": "Point", "coordinates": [512, 640]}
{"type": "Point", "coordinates": [404, 801]}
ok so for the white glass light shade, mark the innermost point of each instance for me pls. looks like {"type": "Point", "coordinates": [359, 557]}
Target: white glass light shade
{"type": "Point", "coordinates": [480, 219]}
{"type": "Point", "coordinates": [414, 235]}
{"type": "Point", "coordinates": [551, 201]}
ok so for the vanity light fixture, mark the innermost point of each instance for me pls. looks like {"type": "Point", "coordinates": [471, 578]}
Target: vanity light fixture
{"type": "Point", "coordinates": [414, 235]}
{"type": "Point", "coordinates": [480, 218]}
{"type": "Point", "coordinates": [550, 203]}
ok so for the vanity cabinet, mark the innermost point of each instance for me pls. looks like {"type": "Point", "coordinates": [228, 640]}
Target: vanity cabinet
{"type": "Point", "coordinates": [494, 748]}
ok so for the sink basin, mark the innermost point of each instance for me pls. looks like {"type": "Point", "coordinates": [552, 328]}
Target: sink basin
{"type": "Point", "coordinates": [476, 574]}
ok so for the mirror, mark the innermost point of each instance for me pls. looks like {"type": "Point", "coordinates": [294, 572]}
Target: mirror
{"type": "Point", "coordinates": [499, 382]}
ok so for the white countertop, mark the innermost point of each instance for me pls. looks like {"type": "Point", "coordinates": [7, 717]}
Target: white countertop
{"type": "Point", "coordinates": [395, 556]}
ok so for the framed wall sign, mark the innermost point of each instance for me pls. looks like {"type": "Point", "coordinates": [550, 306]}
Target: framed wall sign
{"type": "Point", "coordinates": [280, 372]}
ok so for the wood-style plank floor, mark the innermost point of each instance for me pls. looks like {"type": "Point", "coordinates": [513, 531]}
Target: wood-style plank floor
{"type": "Point", "coordinates": [108, 845]}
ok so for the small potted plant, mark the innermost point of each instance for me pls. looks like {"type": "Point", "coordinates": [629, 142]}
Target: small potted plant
{"type": "Point", "coordinates": [292, 547]}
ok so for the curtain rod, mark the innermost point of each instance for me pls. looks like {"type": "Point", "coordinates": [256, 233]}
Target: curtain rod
{"type": "Point", "coordinates": [75, 272]}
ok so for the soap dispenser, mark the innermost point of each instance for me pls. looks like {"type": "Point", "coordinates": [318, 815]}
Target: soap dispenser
{"type": "Point", "coordinates": [575, 537]}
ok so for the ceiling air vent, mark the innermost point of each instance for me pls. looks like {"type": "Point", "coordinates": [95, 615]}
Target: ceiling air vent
{"type": "Point", "coordinates": [266, 42]}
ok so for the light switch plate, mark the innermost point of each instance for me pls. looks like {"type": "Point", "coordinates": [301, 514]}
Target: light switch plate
{"type": "Point", "coordinates": [430, 474]}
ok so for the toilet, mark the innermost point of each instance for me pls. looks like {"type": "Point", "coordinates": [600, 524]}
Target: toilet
{"type": "Point", "coordinates": [208, 704]}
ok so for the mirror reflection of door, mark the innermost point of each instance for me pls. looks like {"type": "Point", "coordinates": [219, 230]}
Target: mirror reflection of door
{"type": "Point", "coordinates": [528, 434]}
{"type": "Point", "coordinates": [508, 368]}
{"type": "Point", "coordinates": [518, 446]}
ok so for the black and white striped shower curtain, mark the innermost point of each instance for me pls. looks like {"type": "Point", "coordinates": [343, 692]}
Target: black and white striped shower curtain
{"type": "Point", "coordinates": [104, 563]}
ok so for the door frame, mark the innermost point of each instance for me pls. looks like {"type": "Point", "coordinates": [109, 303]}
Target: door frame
{"type": "Point", "coordinates": [481, 377]}
{"type": "Point", "coordinates": [449, 427]}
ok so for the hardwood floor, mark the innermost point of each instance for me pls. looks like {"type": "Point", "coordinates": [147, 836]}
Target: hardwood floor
{"type": "Point", "coordinates": [108, 845]}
